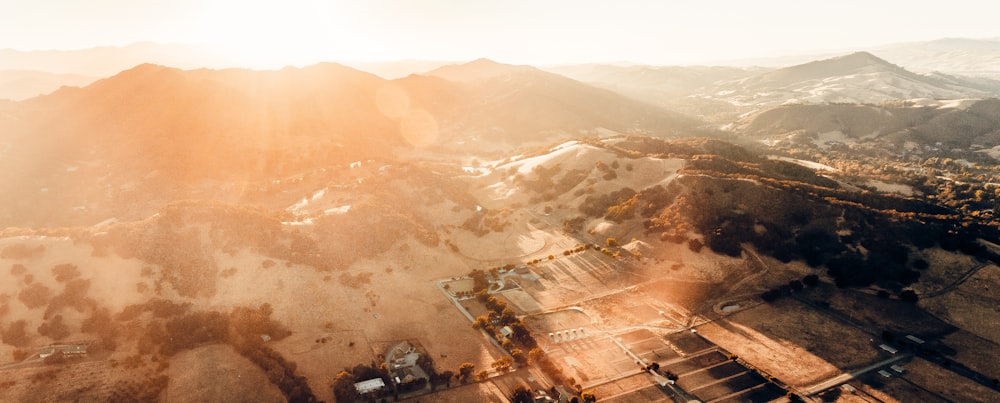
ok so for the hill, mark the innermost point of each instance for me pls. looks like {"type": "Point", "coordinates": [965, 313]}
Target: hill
{"type": "Point", "coordinates": [672, 87]}
{"type": "Point", "coordinates": [859, 77]}
{"type": "Point", "coordinates": [962, 56]}
{"type": "Point", "coordinates": [915, 127]}
{"type": "Point", "coordinates": [515, 104]}
{"type": "Point", "coordinates": [152, 134]}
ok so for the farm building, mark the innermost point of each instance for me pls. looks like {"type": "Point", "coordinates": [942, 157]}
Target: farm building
{"type": "Point", "coordinates": [369, 386]}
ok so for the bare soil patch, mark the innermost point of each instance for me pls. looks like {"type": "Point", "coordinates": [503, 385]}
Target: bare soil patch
{"type": "Point", "coordinates": [548, 322]}
{"type": "Point", "coordinates": [694, 296]}
{"type": "Point", "coordinates": [626, 309]}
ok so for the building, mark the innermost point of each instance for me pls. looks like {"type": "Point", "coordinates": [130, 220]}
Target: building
{"type": "Point", "coordinates": [369, 386]}
{"type": "Point", "coordinates": [914, 339]}
{"type": "Point", "coordinates": [888, 349]}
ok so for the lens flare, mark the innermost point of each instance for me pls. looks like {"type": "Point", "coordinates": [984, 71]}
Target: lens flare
{"type": "Point", "coordinates": [419, 128]}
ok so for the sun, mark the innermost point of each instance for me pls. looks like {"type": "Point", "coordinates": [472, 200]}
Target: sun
{"type": "Point", "coordinates": [269, 35]}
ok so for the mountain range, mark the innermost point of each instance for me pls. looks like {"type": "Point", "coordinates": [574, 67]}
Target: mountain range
{"type": "Point", "coordinates": [179, 131]}
{"type": "Point", "coordinates": [112, 142]}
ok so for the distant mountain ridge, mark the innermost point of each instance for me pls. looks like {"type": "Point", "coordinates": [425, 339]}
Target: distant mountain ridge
{"type": "Point", "coordinates": [859, 77]}
{"type": "Point", "coordinates": [524, 100]}
{"type": "Point", "coordinates": [23, 84]}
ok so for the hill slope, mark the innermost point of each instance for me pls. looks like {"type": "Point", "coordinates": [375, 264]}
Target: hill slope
{"type": "Point", "coordinates": [517, 103]}
{"type": "Point", "coordinates": [949, 125]}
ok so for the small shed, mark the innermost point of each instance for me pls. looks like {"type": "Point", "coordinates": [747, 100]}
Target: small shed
{"type": "Point", "coordinates": [506, 331]}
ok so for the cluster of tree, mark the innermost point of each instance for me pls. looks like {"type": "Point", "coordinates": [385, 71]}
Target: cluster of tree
{"type": "Point", "coordinates": [172, 240]}
{"type": "Point", "coordinates": [574, 224]}
{"type": "Point", "coordinates": [792, 287]}
{"type": "Point", "coordinates": [139, 390]}
{"type": "Point", "coordinates": [607, 171]}
{"type": "Point", "coordinates": [822, 232]}
{"type": "Point", "coordinates": [578, 249]}
{"type": "Point", "coordinates": [54, 328]}
{"type": "Point", "coordinates": [160, 308]}
{"type": "Point", "coordinates": [16, 334]}
{"type": "Point", "coordinates": [100, 323]}
{"type": "Point", "coordinates": [597, 206]}
{"type": "Point", "coordinates": [343, 383]}
{"type": "Point", "coordinates": [74, 295]}
{"type": "Point", "coordinates": [279, 371]}
{"type": "Point", "coordinates": [487, 220]}
{"type": "Point", "coordinates": [500, 315]}
{"type": "Point", "coordinates": [35, 295]}
{"type": "Point", "coordinates": [172, 328]}
{"type": "Point", "coordinates": [479, 282]}
{"type": "Point", "coordinates": [65, 272]}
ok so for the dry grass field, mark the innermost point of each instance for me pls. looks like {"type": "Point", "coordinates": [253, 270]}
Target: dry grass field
{"type": "Point", "coordinates": [792, 342]}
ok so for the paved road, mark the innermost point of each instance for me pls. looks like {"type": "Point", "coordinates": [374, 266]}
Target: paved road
{"type": "Point", "coordinates": [842, 378]}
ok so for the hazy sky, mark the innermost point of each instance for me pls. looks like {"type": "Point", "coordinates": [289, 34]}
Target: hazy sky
{"type": "Point", "coordinates": [513, 31]}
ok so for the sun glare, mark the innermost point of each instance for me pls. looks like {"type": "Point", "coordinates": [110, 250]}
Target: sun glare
{"type": "Point", "coordinates": [274, 35]}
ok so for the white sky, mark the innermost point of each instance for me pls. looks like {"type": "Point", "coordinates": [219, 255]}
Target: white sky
{"type": "Point", "coordinates": [513, 31]}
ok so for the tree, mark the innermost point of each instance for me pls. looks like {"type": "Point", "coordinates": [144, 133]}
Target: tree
{"type": "Point", "coordinates": [519, 356]}
{"type": "Point", "coordinates": [16, 334]}
{"type": "Point", "coordinates": [908, 296]}
{"type": "Point", "coordinates": [770, 295]}
{"type": "Point", "coordinates": [522, 394]}
{"type": "Point", "coordinates": [465, 371]}
{"type": "Point", "coordinates": [480, 323]}
{"type": "Point", "coordinates": [611, 242]}
{"type": "Point", "coordinates": [343, 387]}
{"type": "Point", "coordinates": [588, 396]}
{"type": "Point", "coordinates": [503, 364]}
{"type": "Point", "coordinates": [482, 375]}
{"type": "Point", "coordinates": [811, 280]}
{"type": "Point", "coordinates": [54, 328]}
{"type": "Point", "coordinates": [445, 378]}
{"type": "Point", "coordinates": [536, 354]}
{"type": "Point", "coordinates": [35, 296]}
